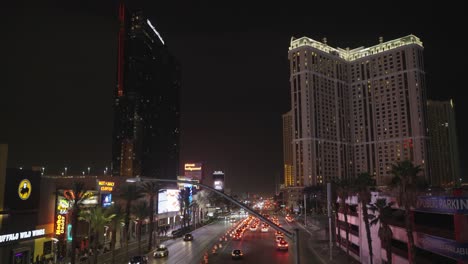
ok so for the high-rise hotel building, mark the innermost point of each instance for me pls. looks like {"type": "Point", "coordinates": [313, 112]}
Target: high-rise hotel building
{"type": "Point", "coordinates": [444, 165]}
{"type": "Point", "coordinates": [356, 110]}
{"type": "Point", "coordinates": [146, 106]}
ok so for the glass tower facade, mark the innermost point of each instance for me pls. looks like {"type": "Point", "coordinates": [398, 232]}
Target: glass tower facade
{"type": "Point", "coordinates": [146, 106]}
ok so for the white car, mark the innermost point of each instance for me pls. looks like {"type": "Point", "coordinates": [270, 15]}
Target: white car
{"type": "Point", "coordinates": [161, 252]}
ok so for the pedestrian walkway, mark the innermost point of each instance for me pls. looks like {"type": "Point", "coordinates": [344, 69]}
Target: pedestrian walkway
{"type": "Point", "coordinates": [317, 227]}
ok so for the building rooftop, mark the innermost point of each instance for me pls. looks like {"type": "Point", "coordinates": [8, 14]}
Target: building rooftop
{"type": "Point", "coordinates": [357, 53]}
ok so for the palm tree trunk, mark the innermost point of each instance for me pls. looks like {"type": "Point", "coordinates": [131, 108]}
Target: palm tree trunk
{"type": "Point", "coordinates": [409, 232]}
{"type": "Point", "coordinates": [388, 244]}
{"type": "Point", "coordinates": [365, 216]}
{"type": "Point", "coordinates": [139, 236]}
{"type": "Point", "coordinates": [113, 240]}
{"type": "Point", "coordinates": [74, 222]}
{"type": "Point", "coordinates": [157, 217]}
{"type": "Point", "coordinates": [127, 223]}
{"type": "Point", "coordinates": [96, 244]}
{"type": "Point", "coordinates": [150, 239]}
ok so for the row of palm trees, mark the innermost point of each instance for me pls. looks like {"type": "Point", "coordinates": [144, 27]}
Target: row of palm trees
{"type": "Point", "coordinates": [406, 186]}
{"type": "Point", "coordinates": [134, 201]}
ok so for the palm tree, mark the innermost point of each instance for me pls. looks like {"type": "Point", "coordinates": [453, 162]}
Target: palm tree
{"type": "Point", "coordinates": [140, 213]}
{"type": "Point", "coordinates": [385, 232]}
{"type": "Point", "coordinates": [406, 182]}
{"type": "Point", "coordinates": [151, 190]}
{"type": "Point", "coordinates": [362, 187]}
{"type": "Point", "coordinates": [75, 197]}
{"type": "Point", "coordinates": [97, 218]}
{"type": "Point", "coordinates": [202, 199]}
{"type": "Point", "coordinates": [128, 193]}
{"type": "Point", "coordinates": [343, 191]}
{"type": "Point", "coordinates": [184, 204]}
{"type": "Point", "coordinates": [116, 223]}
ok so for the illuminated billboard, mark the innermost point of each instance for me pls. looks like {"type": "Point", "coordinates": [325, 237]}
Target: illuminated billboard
{"type": "Point", "coordinates": [193, 171]}
{"type": "Point", "coordinates": [168, 201]}
{"type": "Point", "coordinates": [218, 185]}
{"type": "Point", "coordinates": [106, 200]}
{"type": "Point", "coordinates": [218, 180]}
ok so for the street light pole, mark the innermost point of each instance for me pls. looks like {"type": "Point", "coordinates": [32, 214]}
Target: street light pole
{"type": "Point", "coordinates": [296, 244]}
{"type": "Point", "coordinates": [329, 201]}
{"type": "Point", "coordinates": [305, 210]}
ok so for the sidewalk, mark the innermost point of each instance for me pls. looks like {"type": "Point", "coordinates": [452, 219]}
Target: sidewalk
{"type": "Point", "coordinates": [317, 228]}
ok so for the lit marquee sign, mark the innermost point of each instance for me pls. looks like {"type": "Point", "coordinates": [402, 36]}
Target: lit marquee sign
{"type": "Point", "coordinates": [193, 166]}
{"type": "Point", "coordinates": [193, 171]}
{"type": "Point", "coordinates": [21, 235]}
{"type": "Point", "coordinates": [60, 225]}
{"type": "Point", "coordinates": [106, 186]}
{"type": "Point", "coordinates": [62, 205]}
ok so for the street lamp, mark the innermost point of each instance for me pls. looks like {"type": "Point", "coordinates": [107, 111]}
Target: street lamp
{"type": "Point", "coordinates": [66, 170]}
{"type": "Point", "coordinates": [89, 169]}
{"type": "Point", "coordinates": [55, 240]}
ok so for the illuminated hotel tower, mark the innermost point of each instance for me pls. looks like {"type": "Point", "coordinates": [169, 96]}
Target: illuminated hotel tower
{"type": "Point", "coordinates": [444, 160]}
{"type": "Point", "coordinates": [146, 106]}
{"type": "Point", "coordinates": [356, 110]}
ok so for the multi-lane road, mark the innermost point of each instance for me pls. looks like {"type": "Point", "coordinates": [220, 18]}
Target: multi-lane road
{"type": "Point", "coordinates": [258, 247]}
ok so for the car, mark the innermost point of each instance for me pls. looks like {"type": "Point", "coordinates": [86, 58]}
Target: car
{"type": "Point", "coordinates": [188, 237]}
{"type": "Point", "coordinates": [237, 254]}
{"type": "Point", "coordinates": [161, 252]}
{"type": "Point", "coordinates": [138, 260]}
{"type": "Point", "coordinates": [282, 245]}
{"type": "Point", "coordinates": [279, 238]}
{"type": "Point", "coordinates": [264, 229]}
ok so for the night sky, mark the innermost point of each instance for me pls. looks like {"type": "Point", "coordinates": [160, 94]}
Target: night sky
{"type": "Point", "coordinates": [59, 74]}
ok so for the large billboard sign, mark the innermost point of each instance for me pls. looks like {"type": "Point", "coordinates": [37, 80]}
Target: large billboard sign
{"type": "Point", "coordinates": [168, 201]}
{"type": "Point", "coordinates": [218, 180]}
{"type": "Point", "coordinates": [193, 171]}
{"type": "Point", "coordinates": [442, 204]}
{"type": "Point", "coordinates": [446, 247]}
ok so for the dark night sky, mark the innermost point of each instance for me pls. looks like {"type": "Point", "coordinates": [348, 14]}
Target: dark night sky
{"type": "Point", "coordinates": [59, 60]}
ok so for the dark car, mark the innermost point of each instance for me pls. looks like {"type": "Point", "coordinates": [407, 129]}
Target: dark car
{"type": "Point", "coordinates": [237, 254]}
{"type": "Point", "coordinates": [161, 252]}
{"type": "Point", "coordinates": [188, 237]}
{"type": "Point", "coordinates": [138, 259]}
